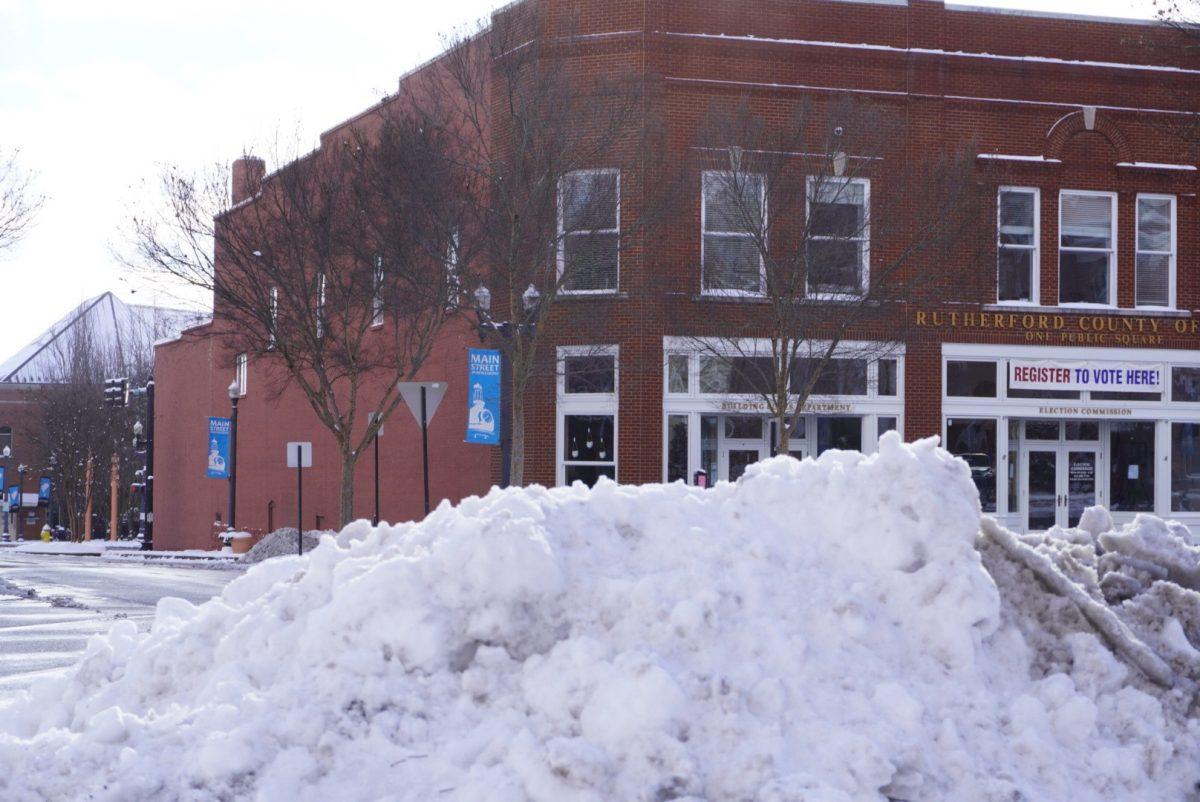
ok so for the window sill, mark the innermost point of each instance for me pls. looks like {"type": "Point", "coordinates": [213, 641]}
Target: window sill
{"type": "Point", "coordinates": [1083, 309]}
{"type": "Point", "coordinates": [731, 297]}
{"type": "Point", "coordinates": [594, 295]}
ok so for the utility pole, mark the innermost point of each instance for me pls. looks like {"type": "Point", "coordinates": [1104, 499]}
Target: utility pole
{"type": "Point", "coordinates": [87, 512]}
{"type": "Point", "coordinates": [113, 513]}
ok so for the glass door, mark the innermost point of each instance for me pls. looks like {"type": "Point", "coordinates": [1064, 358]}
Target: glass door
{"type": "Point", "coordinates": [1082, 474]}
{"type": "Point", "coordinates": [737, 460]}
{"type": "Point", "coordinates": [1043, 498]}
{"type": "Point", "coordinates": [1061, 483]}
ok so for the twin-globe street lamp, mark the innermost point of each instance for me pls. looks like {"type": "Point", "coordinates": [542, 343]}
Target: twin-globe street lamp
{"type": "Point", "coordinates": [506, 331]}
{"type": "Point", "coordinates": [235, 393]}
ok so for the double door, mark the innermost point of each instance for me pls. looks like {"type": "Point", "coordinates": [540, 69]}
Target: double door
{"type": "Point", "coordinates": [1061, 482]}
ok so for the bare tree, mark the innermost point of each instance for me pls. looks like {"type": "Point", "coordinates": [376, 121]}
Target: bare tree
{"type": "Point", "coordinates": [1178, 42]}
{"type": "Point", "coordinates": [832, 230]}
{"type": "Point", "coordinates": [18, 201]}
{"type": "Point", "coordinates": [333, 276]}
{"type": "Point", "coordinates": [76, 433]}
{"type": "Point", "coordinates": [540, 137]}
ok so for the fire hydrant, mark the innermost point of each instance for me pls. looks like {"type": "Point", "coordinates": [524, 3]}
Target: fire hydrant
{"type": "Point", "coordinates": [46, 533]}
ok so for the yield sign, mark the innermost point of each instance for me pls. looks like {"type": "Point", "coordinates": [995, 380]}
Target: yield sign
{"type": "Point", "coordinates": [434, 393]}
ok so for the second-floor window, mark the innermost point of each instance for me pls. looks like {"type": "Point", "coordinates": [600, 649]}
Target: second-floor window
{"type": "Point", "coordinates": [241, 373]}
{"type": "Point", "coordinates": [1156, 250]}
{"type": "Point", "coordinates": [838, 237]}
{"type": "Point", "coordinates": [589, 223]}
{"type": "Point", "coordinates": [734, 229]}
{"type": "Point", "coordinates": [377, 293]}
{"type": "Point", "coordinates": [274, 317]}
{"type": "Point", "coordinates": [1087, 248]}
{"type": "Point", "coordinates": [1017, 244]}
{"type": "Point", "coordinates": [321, 305]}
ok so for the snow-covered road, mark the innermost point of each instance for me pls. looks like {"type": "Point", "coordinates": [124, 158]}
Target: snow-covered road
{"type": "Point", "coordinates": [49, 606]}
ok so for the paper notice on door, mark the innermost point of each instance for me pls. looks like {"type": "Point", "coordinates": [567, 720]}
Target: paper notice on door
{"type": "Point", "coordinates": [1134, 471]}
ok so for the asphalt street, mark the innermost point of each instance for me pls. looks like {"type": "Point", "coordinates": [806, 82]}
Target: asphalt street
{"type": "Point", "coordinates": [50, 605]}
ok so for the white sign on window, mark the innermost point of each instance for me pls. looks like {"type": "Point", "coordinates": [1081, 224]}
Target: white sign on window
{"type": "Point", "coordinates": [1110, 377]}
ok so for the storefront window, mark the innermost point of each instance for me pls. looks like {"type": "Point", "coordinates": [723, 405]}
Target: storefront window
{"type": "Point", "coordinates": [1131, 482]}
{"type": "Point", "coordinates": [743, 427]}
{"type": "Point", "coordinates": [677, 448]}
{"type": "Point", "coordinates": [1014, 466]}
{"type": "Point", "coordinates": [1097, 396]}
{"type": "Point", "coordinates": [843, 434]}
{"type": "Point", "coordinates": [590, 374]}
{"type": "Point", "coordinates": [1083, 431]}
{"type": "Point", "coordinates": [887, 377]}
{"type": "Point", "coordinates": [971, 379]}
{"type": "Point", "coordinates": [1185, 467]}
{"type": "Point", "coordinates": [1185, 384]}
{"type": "Point", "coordinates": [708, 446]}
{"type": "Point", "coordinates": [974, 440]}
{"type": "Point", "coordinates": [887, 425]}
{"type": "Point", "coordinates": [837, 376]}
{"type": "Point", "coordinates": [677, 373]}
{"type": "Point", "coordinates": [1042, 430]}
{"type": "Point", "coordinates": [738, 375]}
{"type": "Point", "coordinates": [589, 448]}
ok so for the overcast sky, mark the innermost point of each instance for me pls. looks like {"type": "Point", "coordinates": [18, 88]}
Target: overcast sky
{"type": "Point", "coordinates": [98, 94]}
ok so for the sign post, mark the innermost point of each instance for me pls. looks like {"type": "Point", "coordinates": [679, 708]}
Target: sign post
{"type": "Point", "coordinates": [378, 433]}
{"type": "Point", "coordinates": [423, 399]}
{"type": "Point", "coordinates": [299, 456]}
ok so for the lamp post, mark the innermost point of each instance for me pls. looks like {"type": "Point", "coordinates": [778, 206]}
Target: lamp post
{"type": "Point", "coordinates": [5, 454]}
{"type": "Point", "coordinates": [506, 332]}
{"type": "Point", "coordinates": [235, 392]}
{"type": "Point", "coordinates": [21, 469]}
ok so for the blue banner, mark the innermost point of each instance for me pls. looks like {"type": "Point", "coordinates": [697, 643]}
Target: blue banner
{"type": "Point", "coordinates": [44, 489]}
{"type": "Point", "coordinates": [218, 448]}
{"type": "Point", "coordinates": [14, 498]}
{"type": "Point", "coordinates": [483, 401]}
{"type": "Point", "coordinates": [3, 484]}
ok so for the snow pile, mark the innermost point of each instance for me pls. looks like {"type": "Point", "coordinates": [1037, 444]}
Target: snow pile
{"type": "Point", "coordinates": [281, 542]}
{"type": "Point", "coordinates": [821, 631]}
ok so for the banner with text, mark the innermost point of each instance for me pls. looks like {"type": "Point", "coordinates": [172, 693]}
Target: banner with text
{"type": "Point", "coordinates": [218, 448]}
{"type": "Point", "coordinates": [44, 487]}
{"type": "Point", "coordinates": [1109, 377]}
{"type": "Point", "coordinates": [483, 401]}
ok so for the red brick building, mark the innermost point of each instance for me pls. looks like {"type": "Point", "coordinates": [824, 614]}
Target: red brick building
{"type": "Point", "coordinates": [1097, 281]}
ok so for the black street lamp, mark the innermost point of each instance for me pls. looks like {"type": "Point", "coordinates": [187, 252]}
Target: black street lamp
{"type": "Point", "coordinates": [4, 455]}
{"type": "Point", "coordinates": [21, 470]}
{"type": "Point", "coordinates": [235, 392]}
{"type": "Point", "coordinates": [506, 331]}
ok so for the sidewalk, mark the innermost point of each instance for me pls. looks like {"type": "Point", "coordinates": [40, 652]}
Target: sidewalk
{"type": "Point", "coordinates": [122, 550]}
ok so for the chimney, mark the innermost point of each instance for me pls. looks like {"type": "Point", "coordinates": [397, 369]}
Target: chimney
{"type": "Point", "coordinates": [247, 177]}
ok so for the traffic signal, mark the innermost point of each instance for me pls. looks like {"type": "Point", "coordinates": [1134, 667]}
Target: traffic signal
{"type": "Point", "coordinates": [116, 392]}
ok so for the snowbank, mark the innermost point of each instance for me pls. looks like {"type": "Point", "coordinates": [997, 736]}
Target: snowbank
{"type": "Point", "coordinates": [821, 631]}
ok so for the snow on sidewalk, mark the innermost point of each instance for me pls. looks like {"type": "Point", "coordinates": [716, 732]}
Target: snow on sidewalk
{"type": "Point", "coordinates": [821, 631]}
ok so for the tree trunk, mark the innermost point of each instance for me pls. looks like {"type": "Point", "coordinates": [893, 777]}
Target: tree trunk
{"type": "Point", "coordinates": [516, 476]}
{"type": "Point", "coordinates": [783, 446]}
{"type": "Point", "coordinates": [346, 489]}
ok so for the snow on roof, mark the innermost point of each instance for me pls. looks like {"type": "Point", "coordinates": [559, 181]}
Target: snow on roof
{"type": "Point", "coordinates": [113, 322]}
{"type": "Point", "coordinates": [933, 51]}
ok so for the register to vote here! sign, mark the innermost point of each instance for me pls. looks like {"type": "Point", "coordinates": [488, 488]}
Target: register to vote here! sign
{"type": "Point", "coordinates": [1102, 376]}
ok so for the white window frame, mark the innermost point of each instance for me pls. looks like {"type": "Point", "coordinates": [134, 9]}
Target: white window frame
{"type": "Point", "coordinates": [241, 373]}
{"type": "Point", "coordinates": [864, 272]}
{"type": "Point", "coordinates": [599, 404]}
{"type": "Point", "coordinates": [705, 177]}
{"type": "Point", "coordinates": [1173, 254]}
{"type": "Point", "coordinates": [562, 235]}
{"type": "Point", "coordinates": [1112, 252]}
{"type": "Point", "coordinates": [1035, 285]}
{"type": "Point", "coordinates": [377, 292]}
